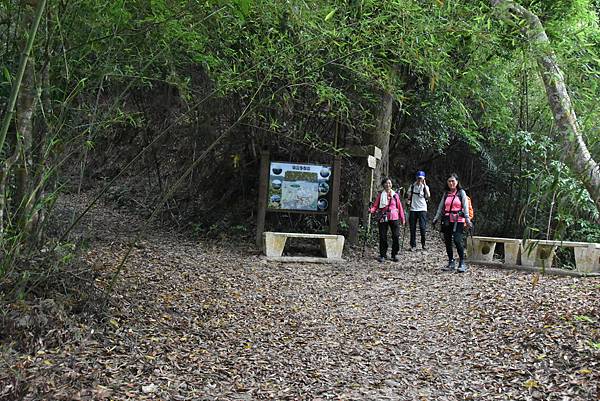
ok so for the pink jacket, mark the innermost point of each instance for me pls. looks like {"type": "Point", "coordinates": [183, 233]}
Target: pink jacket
{"type": "Point", "coordinates": [453, 206]}
{"type": "Point", "coordinates": [395, 211]}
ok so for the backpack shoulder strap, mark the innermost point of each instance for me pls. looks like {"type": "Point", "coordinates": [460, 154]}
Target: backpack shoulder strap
{"type": "Point", "coordinates": [461, 194]}
{"type": "Point", "coordinates": [467, 200]}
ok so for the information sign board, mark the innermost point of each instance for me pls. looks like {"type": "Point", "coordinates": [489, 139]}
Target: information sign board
{"type": "Point", "coordinates": [296, 186]}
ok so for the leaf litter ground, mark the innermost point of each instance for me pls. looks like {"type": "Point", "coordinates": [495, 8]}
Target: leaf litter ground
{"type": "Point", "coordinates": [214, 321]}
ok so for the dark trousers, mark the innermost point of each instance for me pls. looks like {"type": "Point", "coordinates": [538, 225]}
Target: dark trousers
{"type": "Point", "coordinates": [412, 221]}
{"type": "Point", "coordinates": [383, 241]}
{"type": "Point", "coordinates": [454, 233]}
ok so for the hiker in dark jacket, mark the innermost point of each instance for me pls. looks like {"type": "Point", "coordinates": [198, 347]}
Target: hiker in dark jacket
{"type": "Point", "coordinates": [453, 213]}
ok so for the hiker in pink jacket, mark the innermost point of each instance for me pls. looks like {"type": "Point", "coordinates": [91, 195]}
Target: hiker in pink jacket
{"type": "Point", "coordinates": [389, 213]}
{"type": "Point", "coordinates": [453, 212]}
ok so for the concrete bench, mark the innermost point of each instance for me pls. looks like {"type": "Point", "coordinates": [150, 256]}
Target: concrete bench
{"type": "Point", "coordinates": [331, 246]}
{"type": "Point", "coordinates": [588, 259]}
{"type": "Point", "coordinates": [540, 253]}
{"type": "Point", "coordinates": [481, 249]}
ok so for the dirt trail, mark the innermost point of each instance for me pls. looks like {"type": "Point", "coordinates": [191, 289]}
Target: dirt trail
{"type": "Point", "coordinates": [210, 321]}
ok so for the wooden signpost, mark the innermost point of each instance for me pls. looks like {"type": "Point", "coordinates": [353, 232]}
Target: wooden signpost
{"type": "Point", "coordinates": [371, 154]}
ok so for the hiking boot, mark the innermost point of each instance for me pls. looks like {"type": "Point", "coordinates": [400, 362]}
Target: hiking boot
{"type": "Point", "coordinates": [450, 266]}
{"type": "Point", "coordinates": [461, 267]}
{"type": "Point", "coordinates": [380, 258]}
{"type": "Point", "coordinates": [413, 248]}
{"type": "Point", "coordinates": [395, 258]}
{"type": "Point", "coordinates": [423, 247]}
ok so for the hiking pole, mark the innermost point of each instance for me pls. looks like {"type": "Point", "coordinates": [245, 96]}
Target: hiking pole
{"type": "Point", "coordinates": [403, 236]}
{"type": "Point", "coordinates": [368, 233]}
{"type": "Point", "coordinates": [402, 191]}
{"type": "Point", "coordinates": [470, 231]}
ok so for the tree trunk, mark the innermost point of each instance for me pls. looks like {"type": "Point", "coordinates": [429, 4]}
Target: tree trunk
{"type": "Point", "coordinates": [381, 136]}
{"type": "Point", "coordinates": [576, 153]}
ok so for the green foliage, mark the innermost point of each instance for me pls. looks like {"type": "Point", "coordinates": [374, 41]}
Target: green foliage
{"type": "Point", "coordinates": [584, 318]}
{"type": "Point", "coordinates": [301, 70]}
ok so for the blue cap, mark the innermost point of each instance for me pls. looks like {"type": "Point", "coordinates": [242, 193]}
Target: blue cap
{"type": "Point", "coordinates": [420, 174]}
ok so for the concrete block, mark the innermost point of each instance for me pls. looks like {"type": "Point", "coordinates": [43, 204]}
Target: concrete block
{"type": "Point", "coordinates": [273, 244]}
{"type": "Point", "coordinates": [587, 259]}
{"type": "Point", "coordinates": [480, 249]}
{"type": "Point", "coordinates": [333, 247]}
{"type": "Point", "coordinates": [512, 252]}
{"type": "Point", "coordinates": [537, 254]}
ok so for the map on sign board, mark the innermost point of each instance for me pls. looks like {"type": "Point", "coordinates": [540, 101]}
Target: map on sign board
{"type": "Point", "coordinates": [299, 187]}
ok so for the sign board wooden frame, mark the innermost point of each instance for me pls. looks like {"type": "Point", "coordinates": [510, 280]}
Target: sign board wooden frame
{"type": "Point", "coordinates": [263, 189]}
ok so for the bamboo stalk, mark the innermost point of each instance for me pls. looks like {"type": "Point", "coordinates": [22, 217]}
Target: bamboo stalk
{"type": "Point", "coordinates": [14, 92]}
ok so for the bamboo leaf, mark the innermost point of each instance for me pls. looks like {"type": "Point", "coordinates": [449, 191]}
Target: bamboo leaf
{"type": "Point", "coordinates": [6, 75]}
{"type": "Point", "coordinates": [328, 16]}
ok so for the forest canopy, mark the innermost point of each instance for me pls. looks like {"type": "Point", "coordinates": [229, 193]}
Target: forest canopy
{"type": "Point", "coordinates": [148, 103]}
